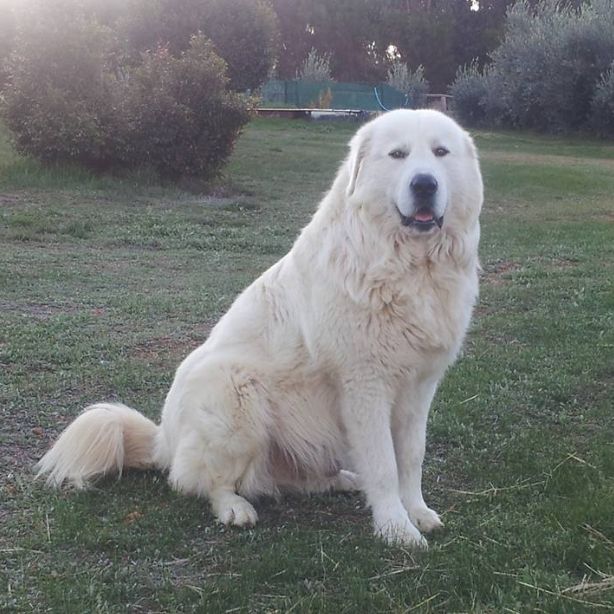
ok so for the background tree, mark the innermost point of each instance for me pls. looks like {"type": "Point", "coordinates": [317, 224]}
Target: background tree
{"type": "Point", "coordinates": [345, 30]}
{"type": "Point", "coordinates": [363, 37]}
{"type": "Point", "coordinates": [7, 36]}
{"type": "Point", "coordinates": [442, 35]}
{"type": "Point", "coordinates": [425, 37]}
{"type": "Point", "coordinates": [244, 32]}
{"type": "Point", "coordinates": [295, 35]}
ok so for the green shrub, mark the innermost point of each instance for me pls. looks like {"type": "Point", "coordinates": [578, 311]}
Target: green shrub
{"type": "Point", "coordinates": [469, 91]}
{"type": "Point", "coordinates": [550, 62]}
{"type": "Point", "coordinates": [7, 37]}
{"type": "Point", "coordinates": [602, 105]}
{"type": "Point", "coordinates": [315, 67]}
{"type": "Point", "coordinates": [412, 84]}
{"type": "Point", "coordinates": [182, 120]}
{"type": "Point", "coordinates": [544, 74]}
{"type": "Point", "coordinates": [70, 97]}
{"type": "Point", "coordinates": [58, 99]}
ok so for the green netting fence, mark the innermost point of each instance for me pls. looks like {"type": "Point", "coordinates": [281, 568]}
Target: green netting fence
{"type": "Point", "coordinates": [333, 95]}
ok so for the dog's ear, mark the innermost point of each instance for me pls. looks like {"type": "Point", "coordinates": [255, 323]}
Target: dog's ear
{"type": "Point", "coordinates": [358, 150]}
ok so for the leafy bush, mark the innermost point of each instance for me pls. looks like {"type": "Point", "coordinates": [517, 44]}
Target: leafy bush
{"type": "Point", "coordinates": [469, 92]}
{"type": "Point", "coordinates": [69, 98]}
{"type": "Point", "coordinates": [412, 84]}
{"type": "Point", "coordinates": [58, 100]}
{"type": "Point", "coordinates": [7, 36]}
{"type": "Point", "coordinates": [602, 105]}
{"type": "Point", "coordinates": [316, 67]}
{"type": "Point", "coordinates": [182, 120]}
{"type": "Point", "coordinates": [475, 97]}
{"type": "Point", "coordinates": [551, 59]}
{"type": "Point", "coordinates": [544, 74]}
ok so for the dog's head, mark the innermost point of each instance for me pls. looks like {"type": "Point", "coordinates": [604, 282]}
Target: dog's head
{"type": "Point", "coordinates": [418, 170]}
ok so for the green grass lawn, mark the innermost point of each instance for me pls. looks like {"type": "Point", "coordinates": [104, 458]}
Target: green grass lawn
{"type": "Point", "coordinates": [106, 284]}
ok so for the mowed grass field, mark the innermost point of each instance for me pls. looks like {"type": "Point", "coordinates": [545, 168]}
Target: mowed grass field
{"type": "Point", "coordinates": [106, 284]}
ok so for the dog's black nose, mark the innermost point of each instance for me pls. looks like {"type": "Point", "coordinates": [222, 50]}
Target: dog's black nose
{"type": "Point", "coordinates": [423, 185]}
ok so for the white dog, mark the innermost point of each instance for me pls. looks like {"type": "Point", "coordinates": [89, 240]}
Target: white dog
{"type": "Point", "coordinates": [331, 358]}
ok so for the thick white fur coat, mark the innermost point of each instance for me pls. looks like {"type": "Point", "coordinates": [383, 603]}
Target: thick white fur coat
{"type": "Point", "coordinates": [321, 374]}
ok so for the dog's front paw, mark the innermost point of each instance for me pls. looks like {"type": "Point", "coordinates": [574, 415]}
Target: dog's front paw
{"type": "Point", "coordinates": [235, 510]}
{"type": "Point", "coordinates": [397, 528]}
{"type": "Point", "coordinates": [425, 518]}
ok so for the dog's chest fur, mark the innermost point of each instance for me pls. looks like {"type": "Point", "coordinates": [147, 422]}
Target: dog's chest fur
{"type": "Point", "coordinates": [426, 309]}
{"type": "Point", "coordinates": [394, 315]}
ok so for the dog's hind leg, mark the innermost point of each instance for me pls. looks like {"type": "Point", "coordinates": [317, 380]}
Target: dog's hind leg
{"type": "Point", "coordinates": [223, 444]}
{"type": "Point", "coordinates": [203, 468]}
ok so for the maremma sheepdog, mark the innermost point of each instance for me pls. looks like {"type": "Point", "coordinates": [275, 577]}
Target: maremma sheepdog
{"type": "Point", "coordinates": [321, 374]}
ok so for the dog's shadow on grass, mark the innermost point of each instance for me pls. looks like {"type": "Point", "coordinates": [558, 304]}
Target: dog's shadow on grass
{"type": "Point", "coordinates": [145, 501]}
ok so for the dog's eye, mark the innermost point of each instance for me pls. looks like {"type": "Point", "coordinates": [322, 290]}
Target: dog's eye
{"type": "Point", "coordinates": [398, 154]}
{"type": "Point", "coordinates": [440, 152]}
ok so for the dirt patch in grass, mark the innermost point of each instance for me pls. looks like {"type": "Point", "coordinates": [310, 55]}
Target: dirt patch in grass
{"type": "Point", "coordinates": [301, 509]}
{"type": "Point", "coordinates": [499, 273]}
{"type": "Point", "coordinates": [562, 263]}
{"type": "Point", "coordinates": [9, 199]}
{"type": "Point", "coordinates": [19, 455]}
{"type": "Point", "coordinates": [39, 311]}
{"type": "Point", "coordinates": [606, 216]}
{"type": "Point", "coordinates": [20, 449]}
{"type": "Point", "coordinates": [170, 349]}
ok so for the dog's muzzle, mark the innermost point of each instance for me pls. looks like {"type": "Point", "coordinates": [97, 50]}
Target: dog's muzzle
{"type": "Point", "coordinates": [423, 189]}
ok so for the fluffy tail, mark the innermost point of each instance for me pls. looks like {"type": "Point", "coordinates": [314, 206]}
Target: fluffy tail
{"type": "Point", "coordinates": [104, 439]}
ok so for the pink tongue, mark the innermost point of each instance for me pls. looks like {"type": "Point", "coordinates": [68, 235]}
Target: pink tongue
{"type": "Point", "coordinates": [423, 216]}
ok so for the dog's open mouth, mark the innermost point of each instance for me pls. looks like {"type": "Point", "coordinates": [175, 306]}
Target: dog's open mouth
{"type": "Point", "coordinates": [423, 219]}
